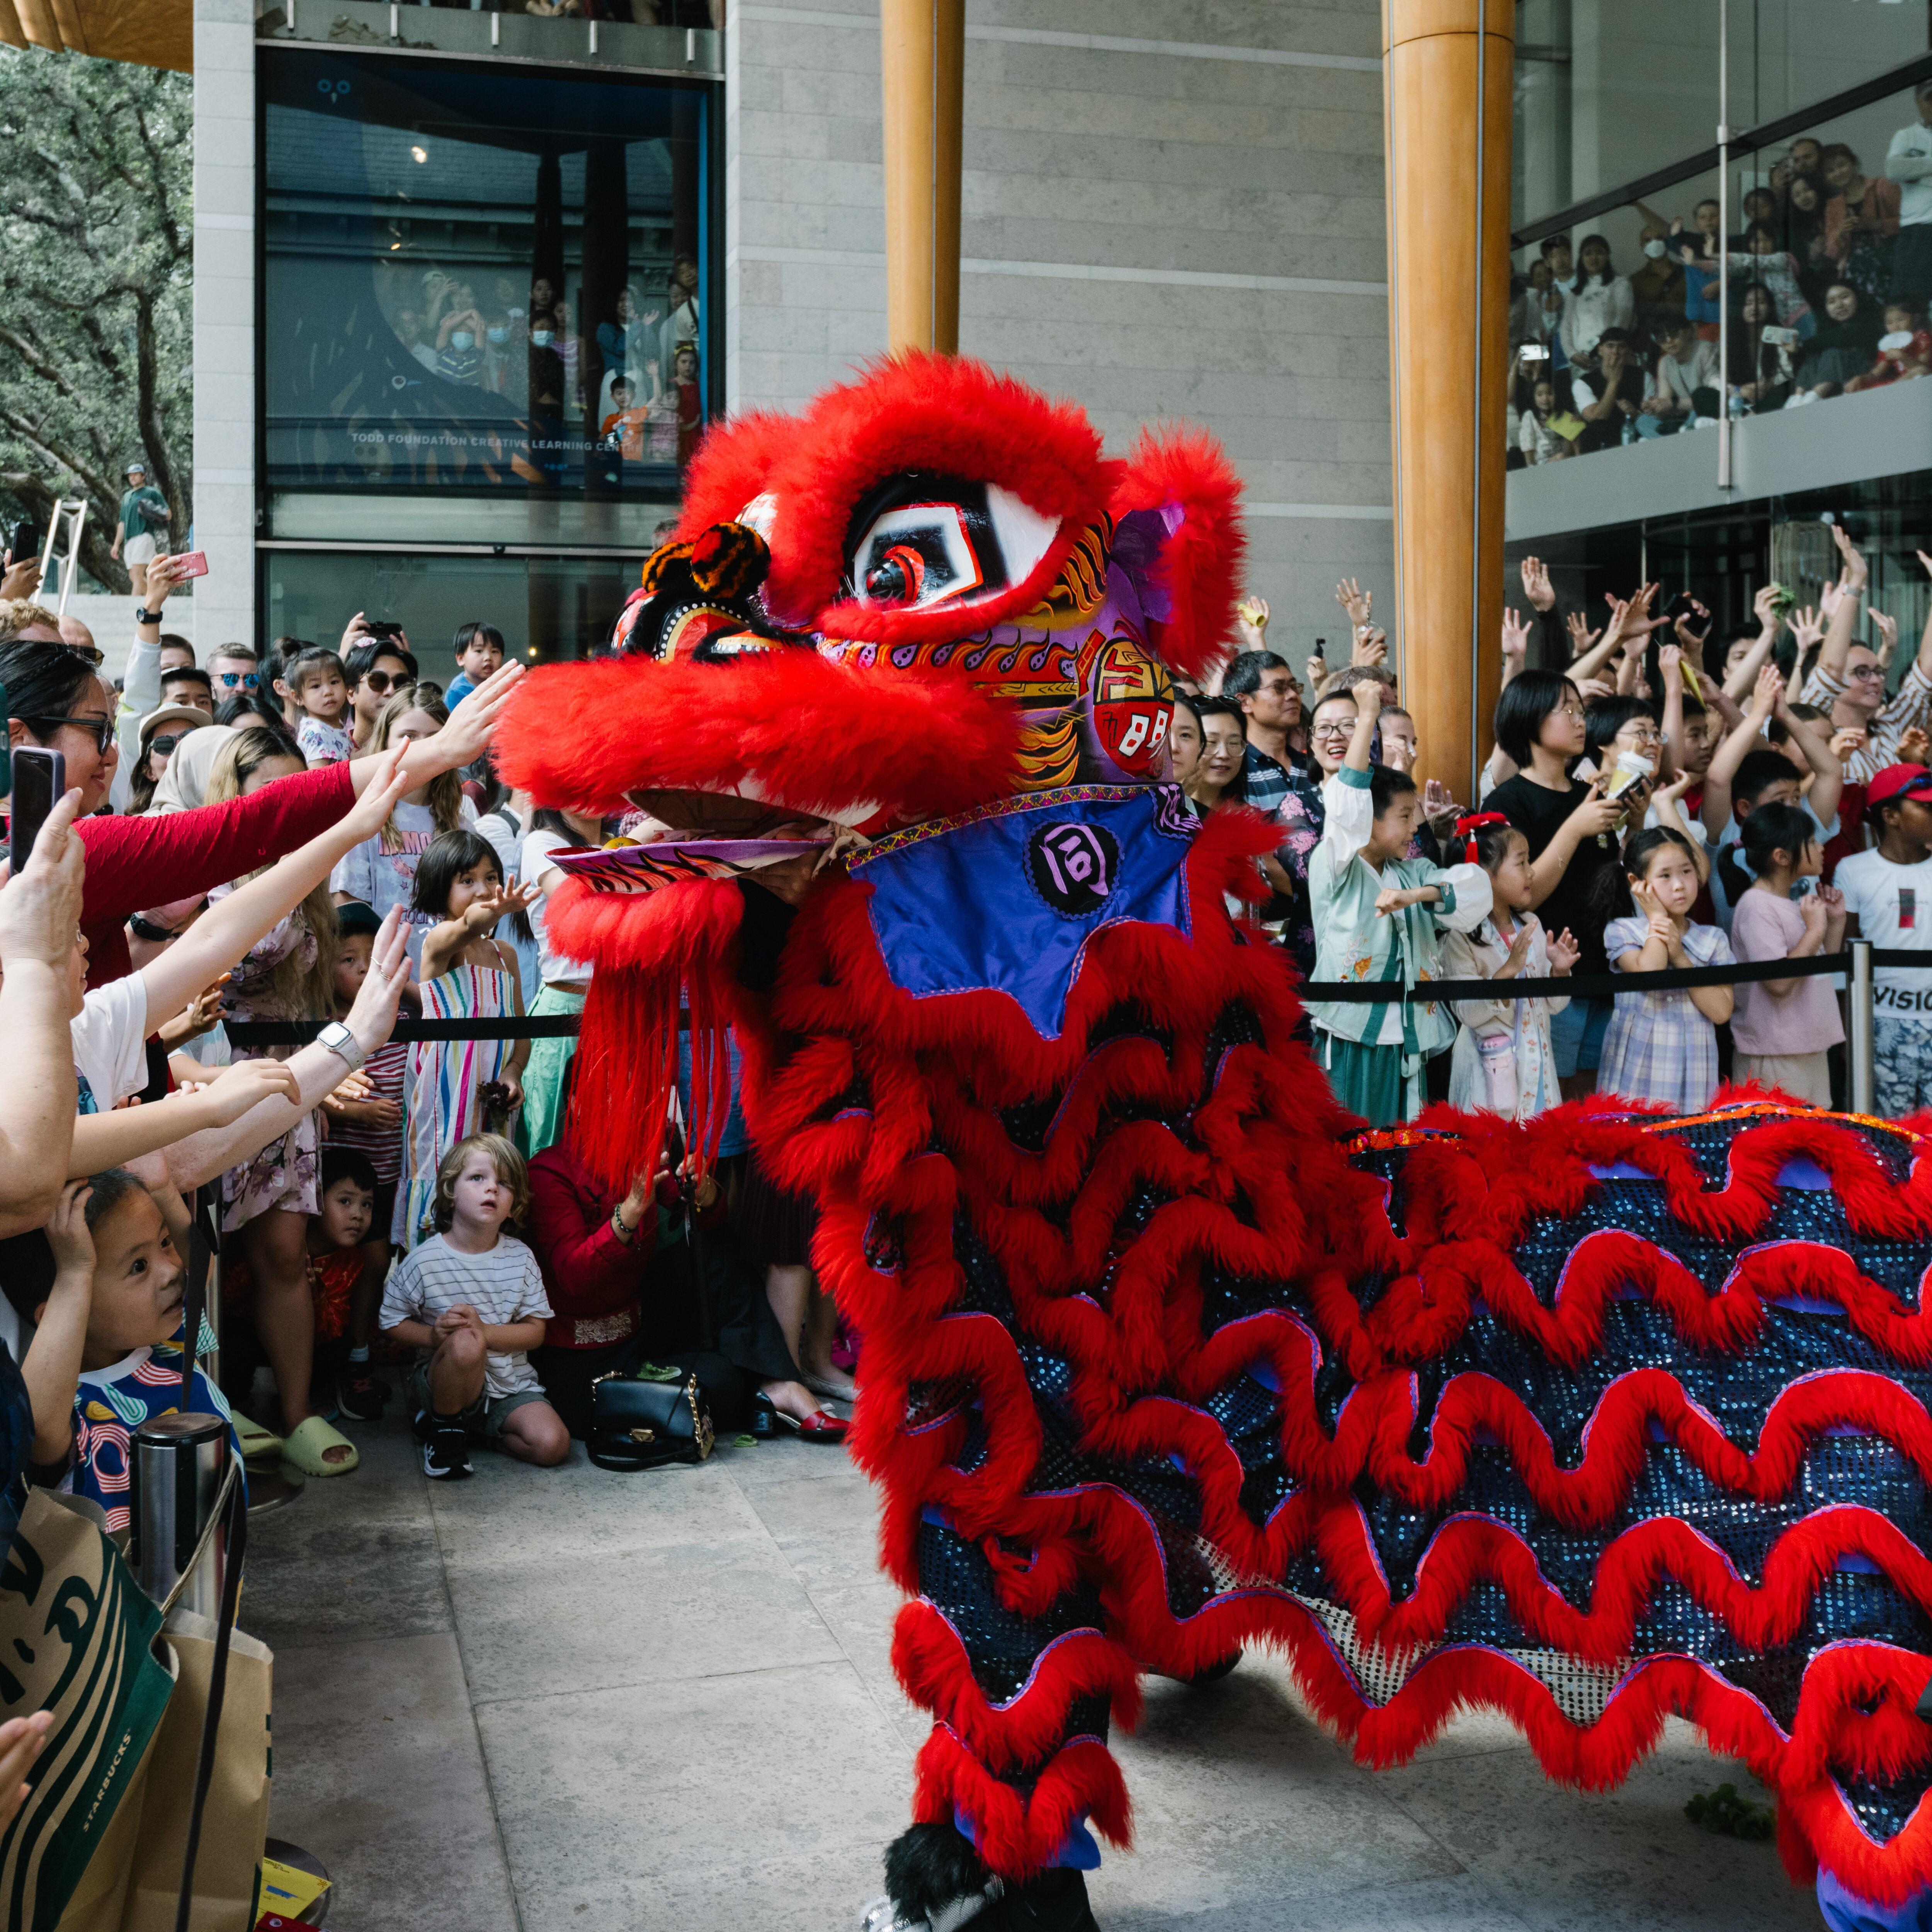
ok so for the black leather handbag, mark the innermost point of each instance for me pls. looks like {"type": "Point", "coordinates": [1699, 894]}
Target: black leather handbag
{"type": "Point", "coordinates": [644, 1420]}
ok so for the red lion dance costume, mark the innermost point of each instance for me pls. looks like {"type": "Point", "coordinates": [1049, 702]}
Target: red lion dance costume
{"type": "Point", "coordinates": [1589, 1420]}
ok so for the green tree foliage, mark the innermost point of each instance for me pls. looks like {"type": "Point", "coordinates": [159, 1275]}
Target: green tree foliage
{"type": "Point", "coordinates": [96, 288]}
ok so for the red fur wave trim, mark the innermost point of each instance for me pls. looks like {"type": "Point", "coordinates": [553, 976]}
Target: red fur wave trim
{"type": "Point", "coordinates": [1018, 1836]}
{"type": "Point", "coordinates": [931, 1664]}
{"type": "Point", "coordinates": [1201, 564]}
{"type": "Point", "coordinates": [816, 736]}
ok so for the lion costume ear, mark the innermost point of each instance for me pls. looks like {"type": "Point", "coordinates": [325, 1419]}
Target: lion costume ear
{"type": "Point", "coordinates": [1178, 511]}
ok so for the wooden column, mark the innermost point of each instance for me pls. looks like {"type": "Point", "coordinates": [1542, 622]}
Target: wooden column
{"type": "Point", "coordinates": [1449, 76]}
{"type": "Point", "coordinates": [923, 46]}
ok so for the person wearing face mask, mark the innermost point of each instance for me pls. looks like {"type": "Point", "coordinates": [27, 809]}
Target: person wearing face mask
{"type": "Point", "coordinates": [546, 383]}
{"type": "Point", "coordinates": [1658, 287]}
{"type": "Point", "coordinates": [460, 336]}
{"type": "Point", "coordinates": [503, 369]}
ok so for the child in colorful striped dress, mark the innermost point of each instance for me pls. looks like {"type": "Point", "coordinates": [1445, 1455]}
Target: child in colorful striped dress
{"type": "Point", "coordinates": [107, 1352]}
{"type": "Point", "coordinates": [457, 1087]}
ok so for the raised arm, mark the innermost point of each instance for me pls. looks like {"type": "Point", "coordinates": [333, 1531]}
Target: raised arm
{"type": "Point", "coordinates": [1841, 603]}
{"type": "Point", "coordinates": [232, 924]}
{"type": "Point", "coordinates": [1596, 815]}
{"type": "Point", "coordinates": [315, 1070]}
{"type": "Point", "coordinates": [1743, 679]}
{"type": "Point", "coordinates": [38, 913]}
{"type": "Point", "coordinates": [1726, 760]}
{"type": "Point", "coordinates": [1813, 740]}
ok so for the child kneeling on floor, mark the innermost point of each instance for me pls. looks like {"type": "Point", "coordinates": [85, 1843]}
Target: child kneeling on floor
{"type": "Point", "coordinates": [106, 1355]}
{"type": "Point", "coordinates": [472, 1297]}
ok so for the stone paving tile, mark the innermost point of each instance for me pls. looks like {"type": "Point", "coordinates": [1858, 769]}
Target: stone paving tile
{"type": "Point", "coordinates": [378, 1771]}
{"type": "Point", "coordinates": [682, 1682]}
{"type": "Point", "coordinates": [761, 1798]}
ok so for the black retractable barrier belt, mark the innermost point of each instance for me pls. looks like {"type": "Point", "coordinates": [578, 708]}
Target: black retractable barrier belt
{"type": "Point", "coordinates": [1326, 992]}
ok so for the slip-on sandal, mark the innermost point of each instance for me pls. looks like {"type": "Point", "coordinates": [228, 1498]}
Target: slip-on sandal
{"type": "Point", "coordinates": [257, 1441]}
{"type": "Point", "coordinates": [822, 1425]}
{"type": "Point", "coordinates": [309, 1440]}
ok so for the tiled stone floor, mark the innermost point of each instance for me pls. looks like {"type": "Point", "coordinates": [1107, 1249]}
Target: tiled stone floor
{"type": "Point", "coordinates": [567, 1699]}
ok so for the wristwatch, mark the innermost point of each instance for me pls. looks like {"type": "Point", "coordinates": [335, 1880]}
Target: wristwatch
{"type": "Point", "coordinates": [342, 1043]}
{"type": "Point", "coordinates": [144, 616]}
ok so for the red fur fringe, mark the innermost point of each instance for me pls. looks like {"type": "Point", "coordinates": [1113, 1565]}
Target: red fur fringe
{"type": "Point", "coordinates": [1201, 566]}
{"type": "Point", "coordinates": [890, 1111]}
{"type": "Point", "coordinates": [815, 736]}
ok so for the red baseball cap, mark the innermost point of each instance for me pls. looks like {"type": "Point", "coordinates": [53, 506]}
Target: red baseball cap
{"type": "Point", "coordinates": [1896, 780]}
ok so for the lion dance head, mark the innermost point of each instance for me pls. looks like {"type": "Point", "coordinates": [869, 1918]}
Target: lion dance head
{"type": "Point", "coordinates": [929, 591]}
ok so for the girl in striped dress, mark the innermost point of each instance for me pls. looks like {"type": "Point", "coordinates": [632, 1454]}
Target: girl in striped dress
{"type": "Point", "coordinates": [457, 1087]}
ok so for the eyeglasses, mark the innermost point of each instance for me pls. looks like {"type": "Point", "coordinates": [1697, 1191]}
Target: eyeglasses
{"type": "Point", "coordinates": [1345, 730]}
{"type": "Point", "coordinates": [100, 727]}
{"type": "Point", "coordinates": [89, 654]}
{"type": "Point", "coordinates": [1644, 737]}
{"type": "Point", "coordinates": [1568, 711]}
{"type": "Point", "coordinates": [228, 680]}
{"type": "Point", "coordinates": [165, 741]}
{"type": "Point", "coordinates": [1870, 674]}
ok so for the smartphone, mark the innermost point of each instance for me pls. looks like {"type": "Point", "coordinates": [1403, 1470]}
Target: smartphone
{"type": "Point", "coordinates": [26, 541]}
{"type": "Point", "coordinates": [1781, 338]}
{"type": "Point", "coordinates": [1533, 352]}
{"type": "Point", "coordinates": [40, 781]}
{"type": "Point", "coordinates": [193, 563]}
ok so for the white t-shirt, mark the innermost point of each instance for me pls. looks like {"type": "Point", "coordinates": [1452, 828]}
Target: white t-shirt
{"type": "Point", "coordinates": [504, 1285]}
{"type": "Point", "coordinates": [557, 969]}
{"type": "Point", "coordinates": [110, 1033]}
{"type": "Point", "coordinates": [1915, 197]}
{"type": "Point", "coordinates": [383, 879]}
{"type": "Point", "coordinates": [1893, 906]}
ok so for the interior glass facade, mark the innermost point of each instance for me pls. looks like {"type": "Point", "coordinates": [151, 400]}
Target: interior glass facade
{"type": "Point", "coordinates": [488, 305]}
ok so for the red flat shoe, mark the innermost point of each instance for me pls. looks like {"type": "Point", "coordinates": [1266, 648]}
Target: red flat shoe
{"type": "Point", "coordinates": [821, 1426]}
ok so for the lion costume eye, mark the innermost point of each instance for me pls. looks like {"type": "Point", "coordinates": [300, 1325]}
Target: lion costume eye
{"type": "Point", "coordinates": [922, 541]}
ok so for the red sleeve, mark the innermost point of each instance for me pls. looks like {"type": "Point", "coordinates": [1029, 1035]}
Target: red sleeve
{"type": "Point", "coordinates": [574, 1244]}
{"type": "Point", "coordinates": [132, 863]}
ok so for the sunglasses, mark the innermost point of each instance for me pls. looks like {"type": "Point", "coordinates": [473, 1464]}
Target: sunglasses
{"type": "Point", "coordinates": [382, 682]}
{"type": "Point", "coordinates": [165, 741]}
{"type": "Point", "coordinates": [100, 729]}
{"type": "Point", "coordinates": [228, 680]}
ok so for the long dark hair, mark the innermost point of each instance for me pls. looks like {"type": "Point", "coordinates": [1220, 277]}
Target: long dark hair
{"type": "Point", "coordinates": [43, 680]}
{"type": "Point", "coordinates": [446, 857]}
{"type": "Point", "coordinates": [1770, 829]}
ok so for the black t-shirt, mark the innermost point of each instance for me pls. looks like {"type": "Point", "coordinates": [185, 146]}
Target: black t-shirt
{"type": "Point", "coordinates": [1537, 813]}
{"type": "Point", "coordinates": [1609, 432]}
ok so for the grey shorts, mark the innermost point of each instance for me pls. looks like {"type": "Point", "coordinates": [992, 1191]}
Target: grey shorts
{"type": "Point", "coordinates": [485, 1417]}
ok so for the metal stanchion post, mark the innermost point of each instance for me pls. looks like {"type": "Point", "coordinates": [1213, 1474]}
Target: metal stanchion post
{"type": "Point", "coordinates": [1862, 1055]}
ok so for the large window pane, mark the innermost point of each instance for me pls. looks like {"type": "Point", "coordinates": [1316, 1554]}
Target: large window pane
{"type": "Point", "coordinates": [1608, 91]}
{"type": "Point", "coordinates": [546, 607]}
{"type": "Point", "coordinates": [483, 285]}
{"type": "Point", "coordinates": [1623, 296]}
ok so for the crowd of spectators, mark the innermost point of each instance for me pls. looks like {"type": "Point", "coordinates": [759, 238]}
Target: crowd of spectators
{"type": "Point", "coordinates": [1829, 276]}
{"type": "Point", "coordinates": [315, 834]}
{"type": "Point", "coordinates": [627, 381]}
{"type": "Point", "coordinates": [1671, 798]}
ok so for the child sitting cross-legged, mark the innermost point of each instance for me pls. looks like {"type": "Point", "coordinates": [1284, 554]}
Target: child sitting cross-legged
{"type": "Point", "coordinates": [107, 1353]}
{"type": "Point", "coordinates": [471, 1297]}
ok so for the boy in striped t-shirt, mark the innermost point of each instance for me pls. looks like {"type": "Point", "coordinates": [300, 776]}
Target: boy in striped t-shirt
{"type": "Point", "coordinates": [471, 1298]}
{"type": "Point", "coordinates": [106, 1355]}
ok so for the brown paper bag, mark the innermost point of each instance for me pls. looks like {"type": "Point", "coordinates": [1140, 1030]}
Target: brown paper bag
{"type": "Point", "coordinates": [76, 1636]}
{"type": "Point", "coordinates": [235, 1823]}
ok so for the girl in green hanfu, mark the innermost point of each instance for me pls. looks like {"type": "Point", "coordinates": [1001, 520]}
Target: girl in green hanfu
{"type": "Point", "coordinates": [1376, 915]}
